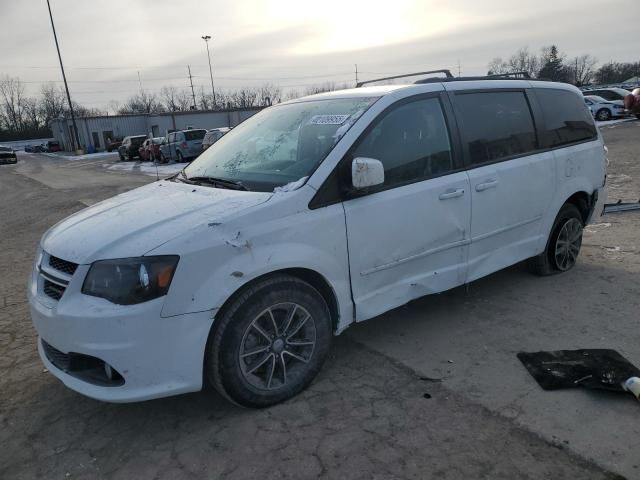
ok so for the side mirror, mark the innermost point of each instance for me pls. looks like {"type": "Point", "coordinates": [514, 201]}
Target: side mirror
{"type": "Point", "coordinates": [366, 172]}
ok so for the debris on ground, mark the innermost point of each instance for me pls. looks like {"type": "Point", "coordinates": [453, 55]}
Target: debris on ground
{"type": "Point", "coordinates": [600, 369]}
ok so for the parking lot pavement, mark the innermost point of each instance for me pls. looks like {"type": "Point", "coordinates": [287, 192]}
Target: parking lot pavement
{"type": "Point", "coordinates": [367, 415]}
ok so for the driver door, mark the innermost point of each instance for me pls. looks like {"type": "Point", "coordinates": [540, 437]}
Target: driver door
{"type": "Point", "coordinates": [410, 237]}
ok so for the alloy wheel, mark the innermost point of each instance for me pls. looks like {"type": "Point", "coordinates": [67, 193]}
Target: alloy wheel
{"type": "Point", "coordinates": [277, 346]}
{"type": "Point", "coordinates": [568, 244]}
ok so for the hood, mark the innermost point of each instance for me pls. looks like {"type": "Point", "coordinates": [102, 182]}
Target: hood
{"type": "Point", "coordinates": [131, 224]}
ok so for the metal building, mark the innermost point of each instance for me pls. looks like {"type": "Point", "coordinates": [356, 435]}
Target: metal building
{"type": "Point", "coordinates": [96, 132]}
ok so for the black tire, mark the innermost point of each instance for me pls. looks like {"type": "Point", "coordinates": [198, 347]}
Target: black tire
{"type": "Point", "coordinates": [548, 263]}
{"type": "Point", "coordinates": [180, 157]}
{"type": "Point", "coordinates": [603, 115]}
{"type": "Point", "coordinates": [163, 159]}
{"type": "Point", "coordinates": [638, 116]}
{"type": "Point", "coordinates": [121, 157]}
{"type": "Point", "coordinates": [233, 329]}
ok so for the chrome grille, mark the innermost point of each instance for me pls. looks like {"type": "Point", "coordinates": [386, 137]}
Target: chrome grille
{"type": "Point", "coordinates": [62, 265]}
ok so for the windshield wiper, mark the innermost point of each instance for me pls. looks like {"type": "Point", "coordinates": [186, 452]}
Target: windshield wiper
{"type": "Point", "coordinates": [217, 182]}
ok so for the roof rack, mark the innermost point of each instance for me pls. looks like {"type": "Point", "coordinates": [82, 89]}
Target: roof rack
{"type": "Point", "coordinates": [446, 72]}
{"type": "Point", "coordinates": [497, 76]}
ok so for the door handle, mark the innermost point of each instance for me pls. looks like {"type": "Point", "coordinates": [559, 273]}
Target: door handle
{"type": "Point", "coordinates": [486, 185]}
{"type": "Point", "coordinates": [451, 194]}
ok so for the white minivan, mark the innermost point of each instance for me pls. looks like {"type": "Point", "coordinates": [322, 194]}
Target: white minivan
{"type": "Point", "coordinates": [310, 216]}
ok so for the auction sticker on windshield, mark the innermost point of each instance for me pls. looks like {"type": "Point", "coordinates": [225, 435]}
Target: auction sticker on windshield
{"type": "Point", "coordinates": [328, 119]}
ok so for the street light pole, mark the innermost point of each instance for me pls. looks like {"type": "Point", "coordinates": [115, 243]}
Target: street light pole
{"type": "Point", "coordinates": [206, 39]}
{"type": "Point", "coordinates": [64, 78]}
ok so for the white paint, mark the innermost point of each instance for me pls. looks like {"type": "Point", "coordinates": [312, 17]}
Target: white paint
{"type": "Point", "coordinates": [376, 251]}
{"type": "Point", "coordinates": [366, 172]}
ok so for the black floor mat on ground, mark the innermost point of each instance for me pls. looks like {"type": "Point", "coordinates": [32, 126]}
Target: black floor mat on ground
{"type": "Point", "coordinates": [592, 368]}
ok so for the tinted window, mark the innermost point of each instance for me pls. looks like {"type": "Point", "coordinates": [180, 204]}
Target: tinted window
{"type": "Point", "coordinates": [496, 125]}
{"type": "Point", "coordinates": [194, 134]}
{"type": "Point", "coordinates": [411, 141]}
{"type": "Point", "coordinates": [567, 118]}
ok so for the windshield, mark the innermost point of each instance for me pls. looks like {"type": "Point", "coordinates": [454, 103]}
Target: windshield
{"type": "Point", "coordinates": [5, 149]}
{"type": "Point", "coordinates": [280, 144]}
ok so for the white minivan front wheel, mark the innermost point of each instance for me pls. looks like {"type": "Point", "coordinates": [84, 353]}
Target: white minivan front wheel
{"type": "Point", "coordinates": [563, 245]}
{"type": "Point", "coordinates": [270, 342]}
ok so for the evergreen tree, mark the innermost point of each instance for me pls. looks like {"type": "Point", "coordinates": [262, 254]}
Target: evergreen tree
{"type": "Point", "coordinates": [553, 67]}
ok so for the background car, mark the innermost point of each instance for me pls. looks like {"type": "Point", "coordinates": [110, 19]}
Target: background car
{"type": "Point", "coordinates": [150, 149]}
{"type": "Point", "coordinates": [7, 155]}
{"type": "Point", "coordinates": [182, 145]}
{"type": "Point", "coordinates": [213, 136]}
{"type": "Point", "coordinates": [113, 144]}
{"type": "Point", "coordinates": [603, 110]}
{"type": "Point", "coordinates": [609, 93]}
{"type": "Point", "coordinates": [130, 146]}
{"type": "Point", "coordinates": [53, 146]}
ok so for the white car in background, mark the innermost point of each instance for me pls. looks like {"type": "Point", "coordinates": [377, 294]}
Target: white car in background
{"type": "Point", "coordinates": [604, 110]}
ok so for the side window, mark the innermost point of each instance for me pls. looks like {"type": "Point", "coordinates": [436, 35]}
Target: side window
{"type": "Point", "coordinates": [171, 137]}
{"type": "Point", "coordinates": [411, 141]}
{"type": "Point", "coordinates": [496, 125]}
{"type": "Point", "coordinates": [567, 119]}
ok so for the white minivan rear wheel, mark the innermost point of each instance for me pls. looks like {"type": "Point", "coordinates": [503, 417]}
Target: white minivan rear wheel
{"type": "Point", "coordinates": [563, 245]}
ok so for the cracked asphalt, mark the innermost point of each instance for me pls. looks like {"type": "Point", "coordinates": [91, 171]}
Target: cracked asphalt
{"type": "Point", "coordinates": [375, 410]}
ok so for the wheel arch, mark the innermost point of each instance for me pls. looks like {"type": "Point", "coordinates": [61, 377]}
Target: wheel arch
{"type": "Point", "coordinates": [312, 277]}
{"type": "Point", "coordinates": [582, 201]}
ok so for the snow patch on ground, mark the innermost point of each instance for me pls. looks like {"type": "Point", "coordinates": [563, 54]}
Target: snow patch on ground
{"type": "Point", "coordinates": [146, 168]}
{"type": "Point", "coordinates": [88, 156]}
{"type": "Point", "coordinates": [611, 123]}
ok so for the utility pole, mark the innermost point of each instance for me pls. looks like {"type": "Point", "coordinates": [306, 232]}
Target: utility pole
{"type": "Point", "coordinates": [64, 78]}
{"type": "Point", "coordinates": [458, 68]}
{"type": "Point", "coordinates": [140, 82]}
{"type": "Point", "coordinates": [206, 39]}
{"type": "Point", "coordinates": [193, 93]}
{"type": "Point", "coordinates": [356, 74]}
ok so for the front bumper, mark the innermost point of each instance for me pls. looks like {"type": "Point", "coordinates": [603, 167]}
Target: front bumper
{"type": "Point", "coordinates": [156, 356]}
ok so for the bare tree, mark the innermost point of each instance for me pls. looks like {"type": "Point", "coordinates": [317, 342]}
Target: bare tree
{"type": "Point", "coordinates": [204, 99]}
{"type": "Point", "coordinates": [32, 118]}
{"type": "Point", "coordinates": [53, 102]}
{"type": "Point", "coordinates": [244, 98]}
{"type": "Point", "coordinates": [497, 66]}
{"type": "Point", "coordinates": [521, 61]}
{"type": "Point", "coordinates": [12, 106]}
{"type": "Point", "coordinates": [269, 95]}
{"type": "Point", "coordinates": [524, 61]}
{"type": "Point", "coordinates": [582, 69]}
{"type": "Point", "coordinates": [321, 88]}
{"type": "Point", "coordinates": [143, 102]}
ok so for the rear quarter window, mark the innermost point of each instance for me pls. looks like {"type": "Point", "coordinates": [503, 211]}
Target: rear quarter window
{"type": "Point", "coordinates": [567, 119]}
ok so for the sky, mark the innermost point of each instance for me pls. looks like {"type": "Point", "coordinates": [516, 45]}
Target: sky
{"type": "Point", "coordinates": [112, 48]}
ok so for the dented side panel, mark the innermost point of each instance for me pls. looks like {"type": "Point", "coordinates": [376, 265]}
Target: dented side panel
{"type": "Point", "coordinates": [407, 242]}
{"type": "Point", "coordinates": [222, 257]}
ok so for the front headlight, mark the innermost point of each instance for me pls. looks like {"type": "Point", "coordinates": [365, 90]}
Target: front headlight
{"type": "Point", "coordinates": [128, 281]}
